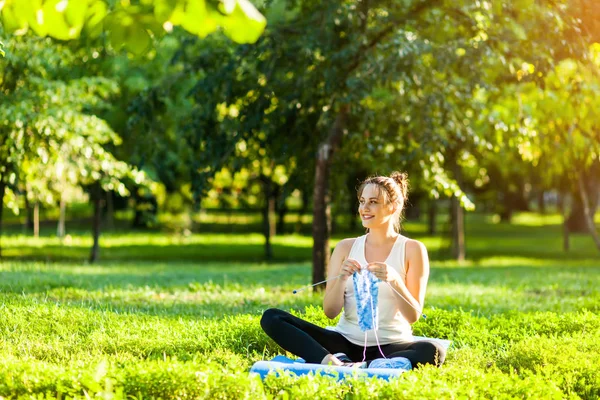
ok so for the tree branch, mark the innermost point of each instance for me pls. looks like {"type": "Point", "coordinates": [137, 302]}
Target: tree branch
{"type": "Point", "coordinates": [362, 51]}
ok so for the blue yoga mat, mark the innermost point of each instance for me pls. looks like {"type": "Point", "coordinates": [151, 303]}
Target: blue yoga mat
{"type": "Point", "coordinates": [279, 364]}
{"type": "Point", "coordinates": [298, 367]}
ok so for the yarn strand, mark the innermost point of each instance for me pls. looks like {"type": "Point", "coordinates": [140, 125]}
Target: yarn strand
{"type": "Point", "coordinates": [409, 303]}
{"type": "Point", "coordinates": [376, 325]}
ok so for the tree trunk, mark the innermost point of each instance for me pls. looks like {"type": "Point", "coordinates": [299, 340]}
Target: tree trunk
{"type": "Point", "coordinates": [353, 224]}
{"type": "Point", "coordinates": [513, 192]}
{"type": "Point", "coordinates": [28, 225]}
{"type": "Point", "coordinates": [589, 216]}
{"type": "Point", "coordinates": [431, 217]}
{"type": "Point", "coordinates": [331, 221]}
{"type": "Point", "coordinates": [2, 191]}
{"type": "Point", "coordinates": [138, 215]}
{"type": "Point", "coordinates": [281, 213]}
{"type": "Point", "coordinates": [509, 202]}
{"type": "Point", "coordinates": [506, 211]}
{"type": "Point", "coordinates": [60, 229]}
{"type": "Point", "coordinates": [412, 209]}
{"type": "Point", "coordinates": [560, 203]}
{"type": "Point", "coordinates": [458, 233]}
{"type": "Point", "coordinates": [577, 218]}
{"type": "Point", "coordinates": [351, 183]}
{"type": "Point", "coordinates": [565, 213]}
{"type": "Point", "coordinates": [321, 204]}
{"type": "Point", "coordinates": [36, 219]}
{"type": "Point", "coordinates": [458, 219]}
{"type": "Point", "coordinates": [278, 209]}
{"type": "Point", "coordinates": [109, 218]}
{"type": "Point", "coordinates": [541, 202]}
{"type": "Point", "coordinates": [272, 221]}
{"type": "Point", "coordinates": [97, 201]}
{"type": "Point", "coordinates": [267, 212]}
{"type": "Point", "coordinates": [145, 210]}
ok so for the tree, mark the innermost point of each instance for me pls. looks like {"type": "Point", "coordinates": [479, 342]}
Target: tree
{"type": "Point", "coordinates": [348, 52]}
{"type": "Point", "coordinates": [228, 117]}
{"type": "Point", "coordinates": [337, 64]}
{"type": "Point", "coordinates": [558, 120]}
{"type": "Point", "coordinates": [542, 112]}
{"type": "Point", "coordinates": [48, 135]}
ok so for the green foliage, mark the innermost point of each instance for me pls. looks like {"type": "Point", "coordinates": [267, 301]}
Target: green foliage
{"type": "Point", "coordinates": [429, 70]}
{"type": "Point", "coordinates": [546, 118]}
{"type": "Point", "coordinates": [185, 113]}
{"type": "Point", "coordinates": [52, 142]}
{"type": "Point", "coordinates": [133, 26]}
{"type": "Point", "coordinates": [539, 104]}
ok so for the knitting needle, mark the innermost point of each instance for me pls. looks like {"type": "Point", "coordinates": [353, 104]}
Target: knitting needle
{"type": "Point", "coordinates": [315, 284]}
{"type": "Point", "coordinates": [335, 277]}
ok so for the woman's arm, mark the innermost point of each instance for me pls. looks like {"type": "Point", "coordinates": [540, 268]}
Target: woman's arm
{"type": "Point", "coordinates": [333, 301]}
{"type": "Point", "coordinates": [415, 284]}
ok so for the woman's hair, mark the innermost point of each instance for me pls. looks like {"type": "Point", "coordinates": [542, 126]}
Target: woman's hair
{"type": "Point", "coordinates": [395, 191]}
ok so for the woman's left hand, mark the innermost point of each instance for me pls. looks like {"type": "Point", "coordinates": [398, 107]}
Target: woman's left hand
{"type": "Point", "coordinates": [384, 272]}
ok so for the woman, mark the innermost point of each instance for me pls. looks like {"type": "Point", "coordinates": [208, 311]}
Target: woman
{"type": "Point", "coordinates": [402, 266]}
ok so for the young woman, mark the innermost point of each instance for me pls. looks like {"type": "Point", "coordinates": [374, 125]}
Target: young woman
{"type": "Point", "coordinates": [402, 266]}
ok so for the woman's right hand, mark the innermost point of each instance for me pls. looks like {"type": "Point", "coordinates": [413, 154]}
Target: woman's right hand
{"type": "Point", "coordinates": [349, 267]}
{"type": "Point", "coordinates": [340, 267]}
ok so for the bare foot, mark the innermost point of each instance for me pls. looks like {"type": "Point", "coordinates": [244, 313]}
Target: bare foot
{"type": "Point", "coordinates": [330, 359]}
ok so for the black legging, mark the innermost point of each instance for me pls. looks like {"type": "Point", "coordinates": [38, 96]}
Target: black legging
{"type": "Point", "coordinates": [313, 343]}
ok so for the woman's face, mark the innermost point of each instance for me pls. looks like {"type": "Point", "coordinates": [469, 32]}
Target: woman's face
{"type": "Point", "coordinates": [373, 209]}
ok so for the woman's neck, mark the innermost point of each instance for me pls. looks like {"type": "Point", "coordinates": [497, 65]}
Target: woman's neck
{"type": "Point", "coordinates": [381, 236]}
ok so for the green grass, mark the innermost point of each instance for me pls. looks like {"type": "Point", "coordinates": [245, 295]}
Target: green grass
{"type": "Point", "coordinates": [531, 236]}
{"type": "Point", "coordinates": [178, 317]}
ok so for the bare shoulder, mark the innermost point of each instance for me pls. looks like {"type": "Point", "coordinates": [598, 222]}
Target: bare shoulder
{"type": "Point", "coordinates": [415, 249]}
{"type": "Point", "coordinates": [343, 247]}
{"type": "Point", "coordinates": [416, 258]}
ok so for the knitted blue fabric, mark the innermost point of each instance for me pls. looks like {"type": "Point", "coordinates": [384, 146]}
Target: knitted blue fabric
{"type": "Point", "coordinates": [366, 291]}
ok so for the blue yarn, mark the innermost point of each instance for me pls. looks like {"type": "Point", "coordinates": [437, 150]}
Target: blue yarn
{"type": "Point", "coordinates": [366, 290]}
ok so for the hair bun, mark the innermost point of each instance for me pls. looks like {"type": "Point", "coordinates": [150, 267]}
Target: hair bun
{"type": "Point", "coordinates": [401, 178]}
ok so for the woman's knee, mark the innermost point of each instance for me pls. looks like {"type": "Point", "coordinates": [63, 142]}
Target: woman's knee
{"type": "Point", "coordinates": [431, 352]}
{"type": "Point", "coordinates": [270, 318]}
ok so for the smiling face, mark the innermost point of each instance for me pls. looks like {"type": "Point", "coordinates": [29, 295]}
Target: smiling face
{"type": "Point", "coordinates": [374, 209]}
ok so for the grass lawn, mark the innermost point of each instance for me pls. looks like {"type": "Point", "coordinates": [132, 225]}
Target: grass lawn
{"type": "Point", "coordinates": [178, 317]}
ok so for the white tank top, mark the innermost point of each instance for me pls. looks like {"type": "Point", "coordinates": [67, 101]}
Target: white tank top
{"type": "Point", "coordinates": [393, 327]}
